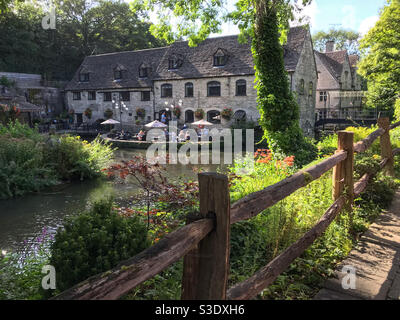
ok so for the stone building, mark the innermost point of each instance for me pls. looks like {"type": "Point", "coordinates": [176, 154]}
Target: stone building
{"type": "Point", "coordinates": [218, 74]}
{"type": "Point", "coordinates": [339, 91]}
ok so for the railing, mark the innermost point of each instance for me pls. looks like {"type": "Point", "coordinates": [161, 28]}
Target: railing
{"type": "Point", "coordinates": [204, 241]}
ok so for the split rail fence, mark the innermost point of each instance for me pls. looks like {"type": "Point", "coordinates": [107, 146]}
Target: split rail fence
{"type": "Point", "coordinates": [204, 241]}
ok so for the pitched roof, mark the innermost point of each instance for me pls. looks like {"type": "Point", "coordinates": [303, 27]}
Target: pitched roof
{"type": "Point", "coordinates": [353, 60]}
{"type": "Point", "coordinates": [101, 70]}
{"type": "Point", "coordinates": [333, 61]}
{"type": "Point", "coordinates": [197, 62]}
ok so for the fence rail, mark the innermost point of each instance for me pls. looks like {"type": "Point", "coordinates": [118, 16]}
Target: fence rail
{"type": "Point", "coordinates": [204, 241]}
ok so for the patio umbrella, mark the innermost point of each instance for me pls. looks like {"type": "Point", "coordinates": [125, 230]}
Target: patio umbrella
{"type": "Point", "coordinates": [110, 121]}
{"type": "Point", "coordinates": [156, 124]}
{"type": "Point", "coordinates": [202, 122]}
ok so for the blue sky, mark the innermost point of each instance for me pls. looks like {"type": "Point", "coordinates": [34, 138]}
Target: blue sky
{"type": "Point", "coordinates": [358, 15]}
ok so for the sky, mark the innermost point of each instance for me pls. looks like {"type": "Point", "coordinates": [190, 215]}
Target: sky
{"type": "Point", "coordinates": [358, 15]}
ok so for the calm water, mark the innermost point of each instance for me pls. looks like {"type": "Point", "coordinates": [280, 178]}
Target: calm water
{"type": "Point", "coordinates": [23, 219]}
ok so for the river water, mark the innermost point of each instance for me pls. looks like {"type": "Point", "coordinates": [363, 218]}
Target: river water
{"type": "Point", "coordinates": [23, 219]}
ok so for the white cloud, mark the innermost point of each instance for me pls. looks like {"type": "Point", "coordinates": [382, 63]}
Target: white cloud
{"type": "Point", "coordinates": [349, 18]}
{"type": "Point", "coordinates": [367, 24]}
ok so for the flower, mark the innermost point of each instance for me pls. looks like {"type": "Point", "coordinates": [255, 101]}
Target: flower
{"type": "Point", "coordinates": [3, 252]}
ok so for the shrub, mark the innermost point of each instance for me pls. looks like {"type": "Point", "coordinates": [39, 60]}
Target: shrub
{"type": "Point", "coordinates": [88, 113]}
{"type": "Point", "coordinates": [177, 112]}
{"type": "Point", "coordinates": [74, 159]}
{"type": "Point", "coordinates": [227, 113]}
{"type": "Point", "coordinates": [141, 113]}
{"type": "Point", "coordinates": [95, 242]}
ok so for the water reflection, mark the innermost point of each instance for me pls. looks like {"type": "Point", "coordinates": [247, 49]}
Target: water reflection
{"type": "Point", "coordinates": [24, 218]}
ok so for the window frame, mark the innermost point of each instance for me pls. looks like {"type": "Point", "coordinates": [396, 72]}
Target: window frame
{"type": "Point", "coordinates": [163, 87]}
{"type": "Point", "coordinates": [212, 84]}
{"type": "Point", "coordinates": [91, 95]}
{"type": "Point", "coordinates": [301, 87]}
{"type": "Point", "coordinates": [105, 96]}
{"type": "Point", "coordinates": [310, 88]}
{"type": "Point", "coordinates": [142, 96]}
{"type": "Point", "coordinates": [145, 70]}
{"type": "Point", "coordinates": [242, 83]}
{"type": "Point", "coordinates": [120, 74]}
{"type": "Point", "coordinates": [125, 96]}
{"type": "Point", "coordinates": [76, 95]}
{"type": "Point", "coordinates": [85, 75]}
{"type": "Point", "coordinates": [189, 85]}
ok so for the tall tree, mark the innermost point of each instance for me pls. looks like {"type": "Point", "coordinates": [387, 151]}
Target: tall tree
{"type": "Point", "coordinates": [380, 63]}
{"type": "Point", "coordinates": [83, 27]}
{"type": "Point", "coordinates": [266, 22]}
{"type": "Point", "coordinates": [344, 40]}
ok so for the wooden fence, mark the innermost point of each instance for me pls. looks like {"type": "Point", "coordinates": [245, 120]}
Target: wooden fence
{"type": "Point", "coordinates": [204, 241]}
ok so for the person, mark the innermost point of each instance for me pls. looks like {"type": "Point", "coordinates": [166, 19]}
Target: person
{"type": "Point", "coordinates": [141, 135]}
{"type": "Point", "coordinates": [164, 118]}
{"type": "Point", "coordinates": [187, 135]}
{"type": "Point", "coordinates": [205, 132]}
{"type": "Point", "coordinates": [182, 135]}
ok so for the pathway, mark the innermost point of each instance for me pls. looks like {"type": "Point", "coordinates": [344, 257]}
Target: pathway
{"type": "Point", "coordinates": [376, 260]}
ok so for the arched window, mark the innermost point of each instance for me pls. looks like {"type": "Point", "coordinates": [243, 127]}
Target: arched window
{"type": "Point", "coordinates": [189, 89]}
{"type": "Point", "coordinates": [213, 89]}
{"type": "Point", "coordinates": [166, 90]}
{"type": "Point", "coordinates": [241, 87]}
{"type": "Point", "coordinates": [301, 86]}
{"type": "Point", "coordinates": [239, 115]}
{"type": "Point", "coordinates": [189, 116]}
{"type": "Point", "coordinates": [214, 116]}
{"type": "Point", "coordinates": [310, 88]}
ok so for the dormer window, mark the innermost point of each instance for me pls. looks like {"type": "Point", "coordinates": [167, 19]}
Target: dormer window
{"type": "Point", "coordinates": [174, 62]}
{"type": "Point", "coordinates": [220, 58]}
{"type": "Point", "coordinates": [84, 77]}
{"type": "Point", "coordinates": [143, 71]}
{"type": "Point", "coordinates": [117, 74]}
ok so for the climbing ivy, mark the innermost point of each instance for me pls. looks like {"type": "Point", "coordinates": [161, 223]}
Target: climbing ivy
{"type": "Point", "coordinates": [278, 109]}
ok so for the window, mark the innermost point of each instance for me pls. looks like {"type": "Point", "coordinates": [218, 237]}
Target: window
{"type": "Point", "coordinates": [143, 71]}
{"type": "Point", "coordinates": [219, 58]}
{"type": "Point", "coordinates": [189, 116]}
{"type": "Point", "coordinates": [84, 77]}
{"type": "Point", "coordinates": [117, 74]}
{"type": "Point", "coordinates": [301, 86]}
{"type": "Point", "coordinates": [91, 95]}
{"type": "Point", "coordinates": [107, 96]}
{"type": "Point", "coordinates": [189, 89]}
{"type": "Point", "coordinates": [241, 87]}
{"type": "Point", "coordinates": [145, 95]}
{"type": "Point", "coordinates": [76, 95]}
{"type": "Point", "coordinates": [310, 88]}
{"type": "Point", "coordinates": [346, 75]}
{"type": "Point", "coordinates": [166, 91]}
{"type": "Point", "coordinates": [214, 116]}
{"type": "Point", "coordinates": [323, 96]}
{"type": "Point", "coordinates": [125, 96]}
{"type": "Point", "coordinates": [214, 89]}
{"type": "Point", "coordinates": [175, 62]}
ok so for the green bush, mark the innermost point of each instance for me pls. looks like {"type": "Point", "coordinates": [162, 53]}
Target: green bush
{"type": "Point", "coordinates": [73, 158]}
{"type": "Point", "coordinates": [95, 242]}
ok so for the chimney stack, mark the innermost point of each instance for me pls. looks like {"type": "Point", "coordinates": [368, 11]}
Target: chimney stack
{"type": "Point", "coordinates": [330, 46]}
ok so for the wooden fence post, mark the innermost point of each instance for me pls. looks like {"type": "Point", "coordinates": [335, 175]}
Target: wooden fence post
{"type": "Point", "coordinates": [386, 145]}
{"type": "Point", "coordinates": [206, 268]}
{"type": "Point", "coordinates": [343, 172]}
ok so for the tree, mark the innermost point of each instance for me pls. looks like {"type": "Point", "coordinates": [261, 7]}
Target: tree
{"type": "Point", "coordinates": [344, 40]}
{"type": "Point", "coordinates": [380, 63]}
{"type": "Point", "coordinates": [266, 22]}
{"type": "Point", "coordinates": [83, 27]}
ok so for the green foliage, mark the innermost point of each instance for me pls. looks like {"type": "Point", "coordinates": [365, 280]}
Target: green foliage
{"type": "Point", "coordinates": [344, 40]}
{"type": "Point", "coordinates": [95, 242]}
{"type": "Point", "coordinates": [4, 81]}
{"type": "Point", "coordinates": [397, 110]}
{"type": "Point", "coordinates": [29, 162]}
{"type": "Point", "coordinates": [73, 158]}
{"type": "Point", "coordinates": [381, 58]}
{"type": "Point", "coordinates": [83, 27]}
{"type": "Point", "coordinates": [21, 272]}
